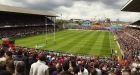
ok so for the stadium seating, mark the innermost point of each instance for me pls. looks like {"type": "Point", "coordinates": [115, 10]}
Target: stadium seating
{"type": "Point", "coordinates": [128, 38]}
{"type": "Point", "coordinates": [102, 65]}
{"type": "Point", "coordinates": [129, 41]}
{"type": "Point", "coordinates": [25, 31]}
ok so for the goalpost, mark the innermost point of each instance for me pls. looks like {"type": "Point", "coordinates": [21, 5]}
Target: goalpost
{"type": "Point", "coordinates": [54, 19]}
{"type": "Point", "coordinates": [46, 29]}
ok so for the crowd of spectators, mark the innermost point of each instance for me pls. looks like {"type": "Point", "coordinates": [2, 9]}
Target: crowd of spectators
{"type": "Point", "coordinates": [135, 32]}
{"type": "Point", "coordinates": [30, 61]}
{"type": "Point", "coordinates": [93, 27]}
{"type": "Point", "coordinates": [129, 41]}
{"type": "Point", "coordinates": [99, 27]}
{"type": "Point", "coordinates": [77, 27]}
{"type": "Point", "coordinates": [25, 31]}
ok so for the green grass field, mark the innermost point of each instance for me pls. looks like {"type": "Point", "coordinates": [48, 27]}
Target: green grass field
{"type": "Point", "coordinates": [85, 42]}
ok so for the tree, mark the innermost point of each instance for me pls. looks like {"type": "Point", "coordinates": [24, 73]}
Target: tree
{"type": "Point", "coordinates": [60, 23]}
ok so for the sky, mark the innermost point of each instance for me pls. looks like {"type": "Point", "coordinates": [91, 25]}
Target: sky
{"type": "Point", "coordinates": [79, 9]}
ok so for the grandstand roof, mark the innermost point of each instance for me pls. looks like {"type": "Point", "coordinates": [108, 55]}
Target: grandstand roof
{"type": "Point", "coordinates": [136, 23]}
{"type": "Point", "coordinates": [132, 5]}
{"type": "Point", "coordinates": [14, 9]}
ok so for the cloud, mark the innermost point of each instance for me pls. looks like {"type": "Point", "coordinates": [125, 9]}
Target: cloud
{"type": "Point", "coordinates": [39, 4]}
{"type": "Point", "coordinates": [53, 4]}
{"type": "Point", "coordinates": [11, 2]}
{"type": "Point", "coordinates": [95, 10]}
{"type": "Point", "coordinates": [85, 9]}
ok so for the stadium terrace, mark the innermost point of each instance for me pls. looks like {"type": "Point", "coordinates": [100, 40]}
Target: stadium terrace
{"type": "Point", "coordinates": [34, 42]}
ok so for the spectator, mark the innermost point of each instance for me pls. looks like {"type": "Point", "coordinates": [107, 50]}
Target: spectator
{"type": "Point", "coordinates": [4, 72]}
{"type": "Point", "coordinates": [20, 68]}
{"type": "Point", "coordinates": [125, 72]}
{"type": "Point", "coordinates": [58, 69]}
{"type": "Point", "coordinates": [2, 60]}
{"type": "Point", "coordinates": [2, 57]}
{"type": "Point", "coordinates": [65, 68]}
{"type": "Point", "coordinates": [81, 72]}
{"type": "Point", "coordinates": [99, 72]}
{"type": "Point", "coordinates": [8, 56]}
{"type": "Point", "coordinates": [39, 67]}
{"type": "Point", "coordinates": [74, 68]}
{"type": "Point", "coordinates": [10, 67]}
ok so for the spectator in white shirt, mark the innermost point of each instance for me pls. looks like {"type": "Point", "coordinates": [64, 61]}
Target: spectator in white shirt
{"type": "Point", "coordinates": [39, 67]}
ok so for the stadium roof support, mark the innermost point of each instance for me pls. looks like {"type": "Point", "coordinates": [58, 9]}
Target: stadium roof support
{"type": "Point", "coordinates": [6, 8]}
{"type": "Point", "coordinates": [136, 23]}
{"type": "Point", "coordinates": [132, 5]}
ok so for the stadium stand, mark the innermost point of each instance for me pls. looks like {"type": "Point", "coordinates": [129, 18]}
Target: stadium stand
{"type": "Point", "coordinates": [136, 23]}
{"type": "Point", "coordinates": [27, 61]}
{"type": "Point", "coordinates": [78, 64]}
{"type": "Point", "coordinates": [132, 5]}
{"type": "Point", "coordinates": [77, 27]}
{"type": "Point", "coordinates": [24, 31]}
{"type": "Point", "coordinates": [21, 22]}
{"type": "Point", "coordinates": [57, 60]}
{"type": "Point", "coordinates": [129, 40]}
